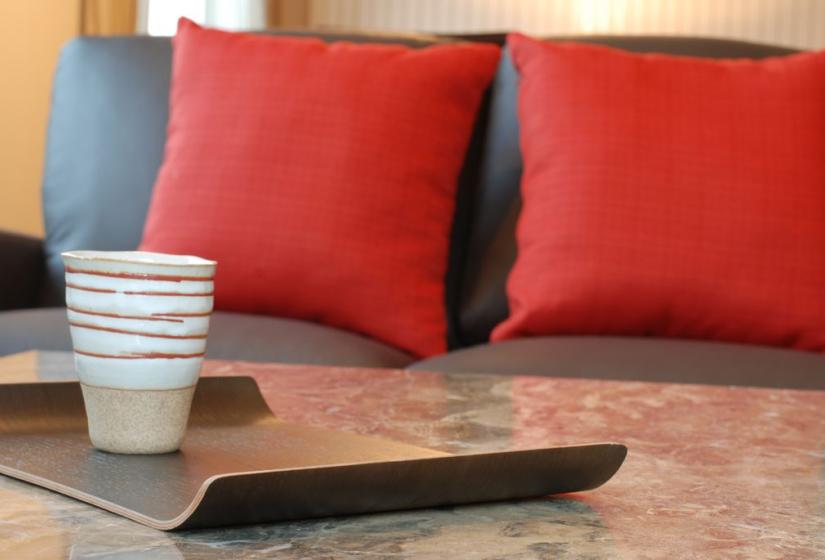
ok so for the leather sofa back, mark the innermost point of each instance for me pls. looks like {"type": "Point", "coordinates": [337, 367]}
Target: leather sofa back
{"type": "Point", "coordinates": [104, 146]}
{"type": "Point", "coordinates": [108, 126]}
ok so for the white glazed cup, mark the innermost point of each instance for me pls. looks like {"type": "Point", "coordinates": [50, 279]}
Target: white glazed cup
{"type": "Point", "coordinates": [139, 323]}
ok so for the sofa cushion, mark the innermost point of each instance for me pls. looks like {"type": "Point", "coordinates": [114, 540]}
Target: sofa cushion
{"type": "Point", "coordinates": [326, 191]}
{"type": "Point", "coordinates": [105, 141]}
{"type": "Point", "coordinates": [670, 196]}
{"type": "Point", "coordinates": [491, 247]}
{"type": "Point", "coordinates": [232, 336]}
{"type": "Point", "coordinates": [640, 359]}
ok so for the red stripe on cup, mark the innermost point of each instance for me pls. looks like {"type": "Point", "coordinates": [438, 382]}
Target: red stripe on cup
{"type": "Point", "coordinates": [205, 314]}
{"type": "Point", "coordinates": [131, 293]}
{"type": "Point", "coordinates": [116, 316]}
{"type": "Point", "coordinates": [98, 290]}
{"type": "Point", "coordinates": [146, 356]}
{"type": "Point", "coordinates": [140, 276]}
{"type": "Point", "coordinates": [140, 333]}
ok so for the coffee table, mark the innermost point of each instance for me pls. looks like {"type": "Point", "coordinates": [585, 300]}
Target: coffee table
{"type": "Point", "coordinates": [712, 471]}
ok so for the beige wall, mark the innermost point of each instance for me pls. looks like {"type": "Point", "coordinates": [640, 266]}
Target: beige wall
{"type": "Point", "coordinates": [31, 34]}
{"type": "Point", "coordinates": [796, 23]}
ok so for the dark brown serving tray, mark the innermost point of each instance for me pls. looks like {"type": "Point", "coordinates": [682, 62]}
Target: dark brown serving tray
{"type": "Point", "coordinates": [239, 464]}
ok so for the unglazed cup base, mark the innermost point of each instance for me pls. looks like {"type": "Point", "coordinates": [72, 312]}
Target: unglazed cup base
{"type": "Point", "coordinates": [139, 421]}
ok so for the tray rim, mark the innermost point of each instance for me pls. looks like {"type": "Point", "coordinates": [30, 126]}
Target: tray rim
{"type": "Point", "coordinates": [181, 518]}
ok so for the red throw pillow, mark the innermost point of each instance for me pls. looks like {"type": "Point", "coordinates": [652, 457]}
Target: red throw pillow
{"type": "Point", "coordinates": [670, 196]}
{"type": "Point", "coordinates": [322, 177]}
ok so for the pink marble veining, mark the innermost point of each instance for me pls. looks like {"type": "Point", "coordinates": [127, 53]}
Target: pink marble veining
{"type": "Point", "coordinates": [710, 469]}
{"type": "Point", "coordinates": [712, 472]}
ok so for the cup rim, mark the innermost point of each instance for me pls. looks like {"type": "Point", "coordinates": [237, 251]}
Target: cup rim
{"type": "Point", "coordinates": [140, 257]}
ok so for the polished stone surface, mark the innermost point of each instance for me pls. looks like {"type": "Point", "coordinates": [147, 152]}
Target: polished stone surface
{"type": "Point", "coordinates": [712, 472]}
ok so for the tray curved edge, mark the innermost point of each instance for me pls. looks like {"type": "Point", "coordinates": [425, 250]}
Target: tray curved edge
{"type": "Point", "coordinates": [359, 488]}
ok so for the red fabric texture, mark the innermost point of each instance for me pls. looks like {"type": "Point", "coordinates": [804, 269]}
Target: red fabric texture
{"type": "Point", "coordinates": [321, 177]}
{"type": "Point", "coordinates": [670, 196]}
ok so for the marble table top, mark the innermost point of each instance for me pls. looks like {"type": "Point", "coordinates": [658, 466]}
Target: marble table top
{"type": "Point", "coordinates": [711, 472]}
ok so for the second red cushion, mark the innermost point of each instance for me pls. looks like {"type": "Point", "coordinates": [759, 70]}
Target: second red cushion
{"type": "Point", "coordinates": [670, 196]}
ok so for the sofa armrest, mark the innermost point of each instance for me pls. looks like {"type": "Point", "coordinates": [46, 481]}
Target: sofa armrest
{"type": "Point", "coordinates": [22, 265]}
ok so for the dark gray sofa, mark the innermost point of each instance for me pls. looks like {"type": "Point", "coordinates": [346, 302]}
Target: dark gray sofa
{"type": "Point", "coordinates": [105, 143]}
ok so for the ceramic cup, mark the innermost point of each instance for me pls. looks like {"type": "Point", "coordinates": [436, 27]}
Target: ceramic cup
{"type": "Point", "coordinates": [139, 323]}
